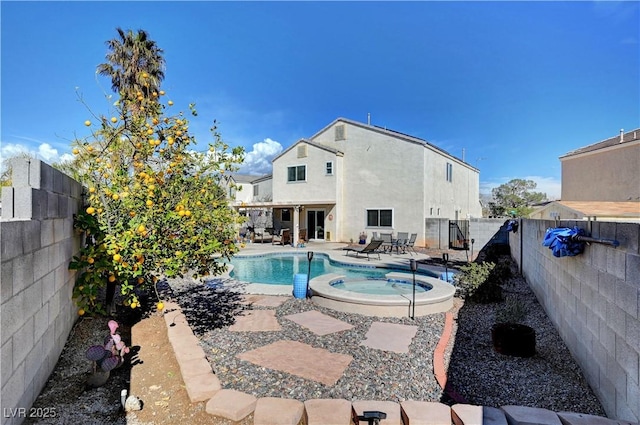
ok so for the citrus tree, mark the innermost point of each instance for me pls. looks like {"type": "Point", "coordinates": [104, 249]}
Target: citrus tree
{"type": "Point", "coordinates": [155, 206]}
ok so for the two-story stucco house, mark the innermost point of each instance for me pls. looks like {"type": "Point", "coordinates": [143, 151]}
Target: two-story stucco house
{"type": "Point", "coordinates": [599, 182]}
{"type": "Point", "coordinates": [352, 177]}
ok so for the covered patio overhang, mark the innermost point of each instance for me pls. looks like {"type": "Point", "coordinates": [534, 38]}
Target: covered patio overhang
{"type": "Point", "coordinates": [296, 208]}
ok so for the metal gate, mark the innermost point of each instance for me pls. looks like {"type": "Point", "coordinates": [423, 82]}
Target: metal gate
{"type": "Point", "coordinates": [459, 234]}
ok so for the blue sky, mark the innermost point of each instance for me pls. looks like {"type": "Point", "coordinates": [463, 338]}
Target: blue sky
{"type": "Point", "coordinates": [513, 84]}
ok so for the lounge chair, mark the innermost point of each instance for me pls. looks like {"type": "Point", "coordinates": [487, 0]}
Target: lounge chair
{"type": "Point", "coordinates": [284, 238]}
{"type": "Point", "coordinates": [371, 248]}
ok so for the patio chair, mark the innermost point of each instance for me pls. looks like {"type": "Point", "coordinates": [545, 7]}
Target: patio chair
{"type": "Point", "coordinates": [410, 243]}
{"type": "Point", "coordinates": [400, 242]}
{"type": "Point", "coordinates": [372, 248]}
{"type": "Point", "coordinates": [284, 238]}
{"type": "Point", "coordinates": [387, 241]}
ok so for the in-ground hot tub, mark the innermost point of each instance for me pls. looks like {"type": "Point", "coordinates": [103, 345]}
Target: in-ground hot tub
{"type": "Point", "coordinates": [391, 297]}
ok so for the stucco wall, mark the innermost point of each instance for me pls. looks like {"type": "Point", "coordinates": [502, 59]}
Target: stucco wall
{"type": "Point", "coordinates": [37, 311]}
{"type": "Point", "coordinates": [594, 301]}
{"type": "Point", "coordinates": [609, 174]}
{"type": "Point", "coordinates": [384, 171]}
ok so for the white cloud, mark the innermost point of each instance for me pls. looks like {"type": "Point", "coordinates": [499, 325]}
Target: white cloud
{"type": "Point", "coordinates": [48, 153]}
{"type": "Point", "coordinates": [549, 185]}
{"type": "Point", "coordinates": [43, 151]}
{"type": "Point", "coordinates": [258, 161]}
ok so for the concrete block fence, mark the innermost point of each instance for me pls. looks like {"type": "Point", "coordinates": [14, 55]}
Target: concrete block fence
{"type": "Point", "coordinates": [37, 313]}
{"type": "Point", "coordinates": [593, 299]}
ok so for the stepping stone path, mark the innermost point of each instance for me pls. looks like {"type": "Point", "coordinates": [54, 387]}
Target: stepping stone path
{"type": "Point", "coordinates": [256, 321]}
{"type": "Point", "coordinates": [390, 337]}
{"type": "Point", "coordinates": [319, 323]}
{"type": "Point", "coordinates": [300, 359]}
{"type": "Point", "coordinates": [326, 367]}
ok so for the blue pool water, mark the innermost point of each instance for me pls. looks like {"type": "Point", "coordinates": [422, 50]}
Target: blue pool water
{"type": "Point", "coordinates": [379, 286]}
{"type": "Point", "coordinates": [280, 269]}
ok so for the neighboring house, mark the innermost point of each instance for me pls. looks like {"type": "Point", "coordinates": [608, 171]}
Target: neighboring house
{"type": "Point", "coordinates": [247, 188]}
{"type": "Point", "coordinates": [599, 182]}
{"type": "Point", "coordinates": [352, 177]}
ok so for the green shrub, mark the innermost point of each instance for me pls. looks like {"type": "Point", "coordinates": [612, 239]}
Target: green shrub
{"type": "Point", "coordinates": [474, 283]}
{"type": "Point", "coordinates": [501, 273]}
{"type": "Point", "coordinates": [511, 311]}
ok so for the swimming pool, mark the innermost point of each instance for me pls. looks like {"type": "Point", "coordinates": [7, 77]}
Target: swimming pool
{"type": "Point", "coordinates": [279, 269]}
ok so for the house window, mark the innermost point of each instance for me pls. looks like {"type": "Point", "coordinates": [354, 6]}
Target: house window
{"type": "Point", "coordinates": [286, 215]}
{"type": "Point", "coordinates": [379, 218]}
{"type": "Point", "coordinates": [297, 173]}
{"type": "Point", "coordinates": [340, 132]}
{"type": "Point", "coordinates": [329, 168]}
{"type": "Point", "coordinates": [256, 190]}
{"type": "Point", "coordinates": [449, 172]}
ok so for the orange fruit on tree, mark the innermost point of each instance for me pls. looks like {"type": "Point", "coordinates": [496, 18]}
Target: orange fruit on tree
{"type": "Point", "coordinates": [134, 304]}
{"type": "Point", "coordinates": [160, 305]}
{"type": "Point", "coordinates": [91, 210]}
{"type": "Point", "coordinates": [81, 312]}
{"type": "Point", "coordinates": [117, 257]}
{"type": "Point", "coordinates": [91, 260]}
{"type": "Point", "coordinates": [170, 103]}
{"type": "Point", "coordinates": [149, 203]}
{"type": "Point", "coordinates": [114, 119]}
{"type": "Point", "coordinates": [75, 151]}
{"type": "Point", "coordinates": [87, 123]}
{"type": "Point", "coordinates": [141, 229]}
{"type": "Point", "coordinates": [112, 278]}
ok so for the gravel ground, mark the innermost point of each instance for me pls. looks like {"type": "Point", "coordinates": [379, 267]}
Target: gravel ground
{"type": "Point", "coordinates": [551, 379]}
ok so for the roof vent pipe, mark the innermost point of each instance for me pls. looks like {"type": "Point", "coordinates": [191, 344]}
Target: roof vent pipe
{"type": "Point", "coordinates": [368, 118]}
{"type": "Point", "coordinates": [621, 135]}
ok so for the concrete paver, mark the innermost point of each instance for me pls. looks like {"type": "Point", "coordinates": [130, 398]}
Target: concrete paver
{"type": "Point", "coordinates": [301, 360]}
{"type": "Point", "coordinates": [571, 418]}
{"type": "Point", "coordinates": [390, 337]}
{"type": "Point", "coordinates": [328, 411]}
{"type": "Point", "coordinates": [256, 321]}
{"type": "Point", "coordinates": [231, 404]}
{"type": "Point", "coordinates": [391, 408]}
{"type": "Point", "coordinates": [523, 415]}
{"type": "Point", "coordinates": [425, 413]}
{"type": "Point", "coordinates": [319, 323]}
{"type": "Point", "coordinates": [264, 300]}
{"type": "Point", "coordinates": [466, 414]}
{"type": "Point", "coordinates": [278, 411]}
{"type": "Point", "coordinates": [202, 387]}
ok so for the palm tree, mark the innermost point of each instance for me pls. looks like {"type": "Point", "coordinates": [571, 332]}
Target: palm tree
{"type": "Point", "coordinates": [134, 63]}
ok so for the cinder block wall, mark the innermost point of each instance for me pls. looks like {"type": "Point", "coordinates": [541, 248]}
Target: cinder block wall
{"type": "Point", "coordinates": [436, 233]}
{"type": "Point", "coordinates": [594, 301]}
{"type": "Point", "coordinates": [37, 242]}
{"type": "Point", "coordinates": [485, 230]}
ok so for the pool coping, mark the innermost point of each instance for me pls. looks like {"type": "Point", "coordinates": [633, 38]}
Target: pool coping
{"type": "Point", "coordinates": [438, 299]}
